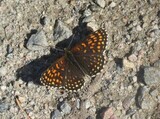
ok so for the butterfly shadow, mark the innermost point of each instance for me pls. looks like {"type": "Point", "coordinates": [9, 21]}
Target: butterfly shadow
{"type": "Point", "coordinates": [31, 72]}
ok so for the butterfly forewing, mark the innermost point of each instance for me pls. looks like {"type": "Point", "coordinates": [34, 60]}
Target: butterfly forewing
{"type": "Point", "coordinates": [90, 52]}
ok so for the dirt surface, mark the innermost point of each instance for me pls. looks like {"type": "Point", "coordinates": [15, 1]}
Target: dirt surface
{"type": "Point", "coordinates": [128, 87]}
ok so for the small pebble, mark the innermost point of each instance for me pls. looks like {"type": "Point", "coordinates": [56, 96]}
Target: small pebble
{"type": "Point", "coordinates": [61, 31]}
{"type": "Point", "coordinates": [88, 19]}
{"type": "Point", "coordinates": [132, 58]}
{"type": "Point", "coordinates": [127, 102]}
{"type": "Point", "coordinates": [128, 64]}
{"type": "Point", "coordinates": [3, 71]}
{"type": "Point", "coordinates": [37, 41]}
{"type": "Point", "coordinates": [21, 99]}
{"type": "Point", "coordinates": [152, 75]}
{"type": "Point", "coordinates": [30, 85]}
{"type": "Point", "coordinates": [139, 28]}
{"type": "Point", "coordinates": [141, 94]}
{"type": "Point", "coordinates": [92, 25]}
{"type": "Point", "coordinates": [131, 112]}
{"type": "Point", "coordinates": [65, 108]}
{"type": "Point", "coordinates": [56, 114]}
{"type": "Point", "coordinates": [3, 107]}
{"type": "Point", "coordinates": [3, 88]}
{"type": "Point", "coordinates": [78, 103]}
{"type": "Point", "coordinates": [108, 114]}
{"type": "Point", "coordinates": [89, 117]}
{"type": "Point", "coordinates": [112, 4]}
{"type": "Point", "coordinates": [134, 78]}
{"type": "Point", "coordinates": [88, 104]}
{"type": "Point", "coordinates": [101, 3]}
{"type": "Point", "coordinates": [87, 13]}
{"type": "Point", "coordinates": [154, 93]}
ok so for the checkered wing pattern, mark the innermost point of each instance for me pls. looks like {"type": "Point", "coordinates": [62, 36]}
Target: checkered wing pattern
{"type": "Point", "coordinates": [63, 74]}
{"type": "Point", "coordinates": [86, 57]}
{"type": "Point", "coordinates": [90, 53]}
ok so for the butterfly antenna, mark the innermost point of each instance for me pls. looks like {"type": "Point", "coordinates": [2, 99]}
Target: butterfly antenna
{"type": "Point", "coordinates": [69, 46]}
{"type": "Point", "coordinates": [59, 49]}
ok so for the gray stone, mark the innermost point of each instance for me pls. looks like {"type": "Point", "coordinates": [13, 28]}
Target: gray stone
{"type": "Point", "coordinates": [152, 75]}
{"type": "Point", "coordinates": [131, 111]}
{"type": "Point", "coordinates": [154, 93]}
{"type": "Point", "coordinates": [101, 3]}
{"type": "Point", "coordinates": [94, 8]}
{"type": "Point", "coordinates": [65, 108]}
{"type": "Point", "coordinates": [3, 107]}
{"type": "Point", "coordinates": [61, 32]}
{"type": "Point", "coordinates": [148, 103]}
{"type": "Point", "coordinates": [9, 49]}
{"type": "Point", "coordinates": [127, 102]}
{"type": "Point", "coordinates": [56, 114]}
{"type": "Point", "coordinates": [144, 99]}
{"type": "Point", "coordinates": [90, 117]}
{"type": "Point", "coordinates": [37, 41]}
{"type": "Point", "coordinates": [140, 94]}
{"type": "Point", "coordinates": [157, 64]}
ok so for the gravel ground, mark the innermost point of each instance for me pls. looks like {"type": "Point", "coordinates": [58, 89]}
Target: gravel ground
{"type": "Point", "coordinates": [129, 86]}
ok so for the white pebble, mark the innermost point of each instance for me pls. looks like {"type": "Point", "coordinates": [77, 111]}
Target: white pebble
{"type": "Point", "coordinates": [3, 88]}
{"type": "Point", "coordinates": [113, 4]}
{"type": "Point", "coordinates": [3, 71]}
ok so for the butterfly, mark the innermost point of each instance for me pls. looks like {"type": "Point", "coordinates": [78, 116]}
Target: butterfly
{"type": "Point", "coordinates": [84, 58]}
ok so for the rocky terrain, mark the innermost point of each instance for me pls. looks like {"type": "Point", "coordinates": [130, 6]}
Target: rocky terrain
{"type": "Point", "coordinates": [31, 31]}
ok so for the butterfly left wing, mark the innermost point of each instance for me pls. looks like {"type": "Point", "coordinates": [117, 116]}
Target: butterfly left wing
{"type": "Point", "coordinates": [55, 74]}
{"type": "Point", "coordinates": [63, 74]}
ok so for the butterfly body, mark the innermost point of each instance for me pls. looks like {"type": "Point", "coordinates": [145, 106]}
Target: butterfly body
{"type": "Point", "coordinates": [85, 58]}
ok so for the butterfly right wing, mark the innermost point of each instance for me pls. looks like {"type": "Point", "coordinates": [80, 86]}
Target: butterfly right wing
{"type": "Point", "coordinates": [90, 53]}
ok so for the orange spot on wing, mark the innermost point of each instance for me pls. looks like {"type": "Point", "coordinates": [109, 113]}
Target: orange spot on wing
{"type": "Point", "coordinates": [78, 48]}
{"type": "Point", "coordinates": [58, 74]}
{"type": "Point", "coordinates": [93, 44]}
{"type": "Point", "coordinates": [85, 51]}
{"type": "Point", "coordinates": [83, 44]}
{"type": "Point", "coordinates": [57, 66]}
{"type": "Point", "coordinates": [100, 36]}
{"type": "Point", "coordinates": [100, 39]}
{"type": "Point", "coordinates": [89, 42]}
{"type": "Point", "coordinates": [92, 36]}
{"type": "Point", "coordinates": [54, 71]}
{"type": "Point", "coordinates": [98, 47]}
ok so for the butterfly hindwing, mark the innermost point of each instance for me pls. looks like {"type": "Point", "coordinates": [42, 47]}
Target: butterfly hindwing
{"type": "Point", "coordinates": [55, 74]}
{"type": "Point", "coordinates": [63, 74]}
